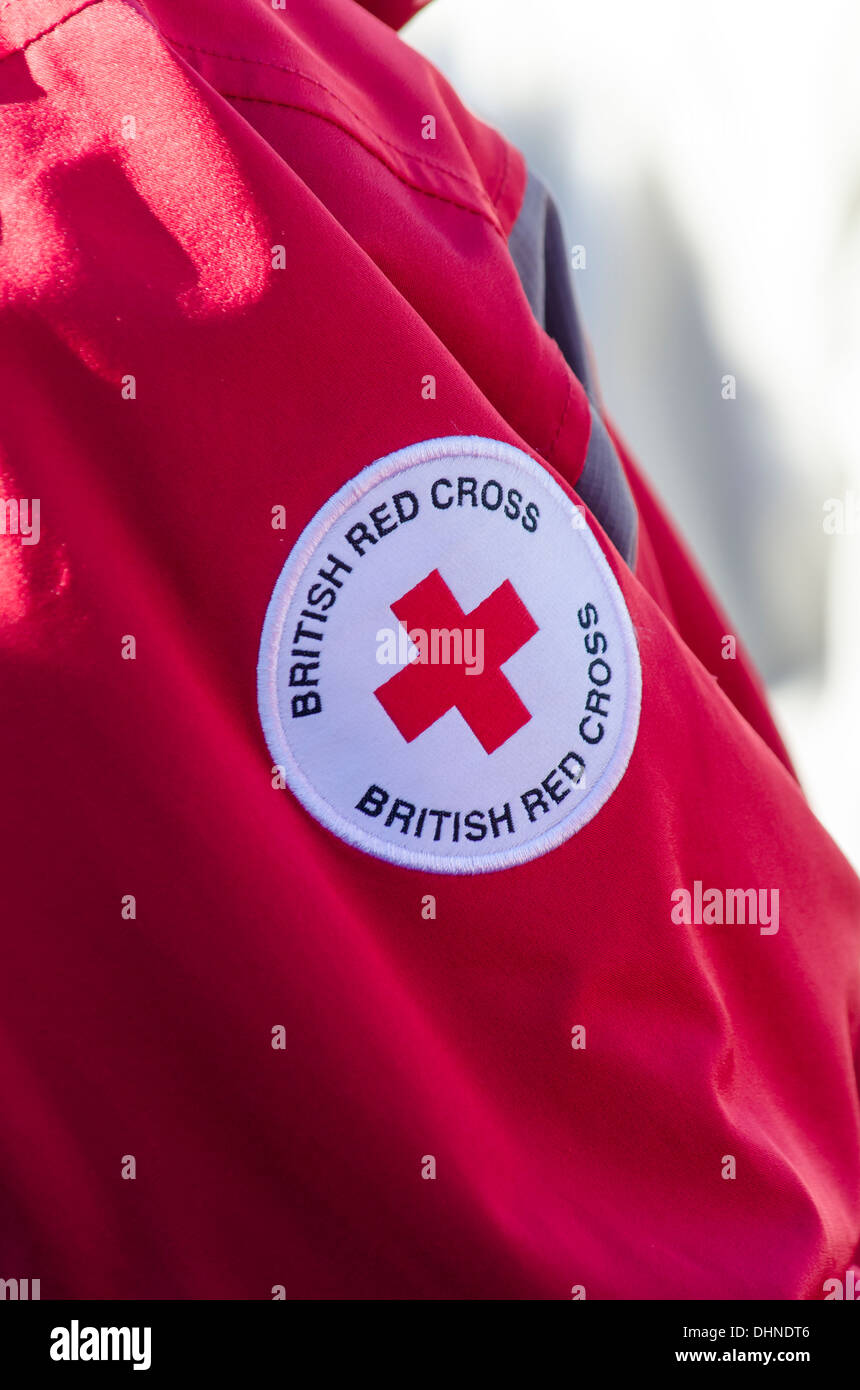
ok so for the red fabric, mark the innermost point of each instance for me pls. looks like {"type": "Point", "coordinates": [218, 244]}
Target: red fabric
{"type": "Point", "coordinates": [394, 12]}
{"type": "Point", "coordinates": [151, 257]}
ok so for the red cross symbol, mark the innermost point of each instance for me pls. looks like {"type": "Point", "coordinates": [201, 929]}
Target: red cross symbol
{"type": "Point", "coordinates": [421, 693]}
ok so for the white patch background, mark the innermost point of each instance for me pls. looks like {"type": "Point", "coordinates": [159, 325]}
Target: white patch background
{"type": "Point", "coordinates": [331, 758]}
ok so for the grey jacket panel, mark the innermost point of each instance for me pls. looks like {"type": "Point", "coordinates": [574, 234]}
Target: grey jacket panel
{"type": "Point", "coordinates": [539, 250]}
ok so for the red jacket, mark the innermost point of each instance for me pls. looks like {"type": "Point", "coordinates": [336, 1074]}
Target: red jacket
{"type": "Point", "coordinates": [239, 269]}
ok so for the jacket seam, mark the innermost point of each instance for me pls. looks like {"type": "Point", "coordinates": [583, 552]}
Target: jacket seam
{"type": "Point", "coordinates": [314, 81]}
{"type": "Point", "coordinates": [557, 434]}
{"type": "Point", "coordinates": [503, 179]}
{"type": "Point", "coordinates": [22, 48]}
{"type": "Point", "coordinates": [331, 120]}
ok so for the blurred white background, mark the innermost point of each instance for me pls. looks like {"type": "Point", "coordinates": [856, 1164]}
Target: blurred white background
{"type": "Point", "coordinates": [708, 158]}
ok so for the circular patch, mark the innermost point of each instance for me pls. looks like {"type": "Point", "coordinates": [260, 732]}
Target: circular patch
{"type": "Point", "coordinates": [448, 674]}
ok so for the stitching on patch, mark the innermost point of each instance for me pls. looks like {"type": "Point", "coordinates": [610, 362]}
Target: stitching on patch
{"type": "Point", "coordinates": [315, 803]}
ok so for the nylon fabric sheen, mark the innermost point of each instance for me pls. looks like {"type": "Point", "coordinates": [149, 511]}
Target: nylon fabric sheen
{"type": "Point", "coordinates": [229, 260]}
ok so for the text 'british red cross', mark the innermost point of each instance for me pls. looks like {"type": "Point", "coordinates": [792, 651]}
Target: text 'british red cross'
{"type": "Point", "coordinates": [421, 693]}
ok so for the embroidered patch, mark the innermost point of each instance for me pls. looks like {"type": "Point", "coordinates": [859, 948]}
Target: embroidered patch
{"type": "Point", "coordinates": [448, 674]}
